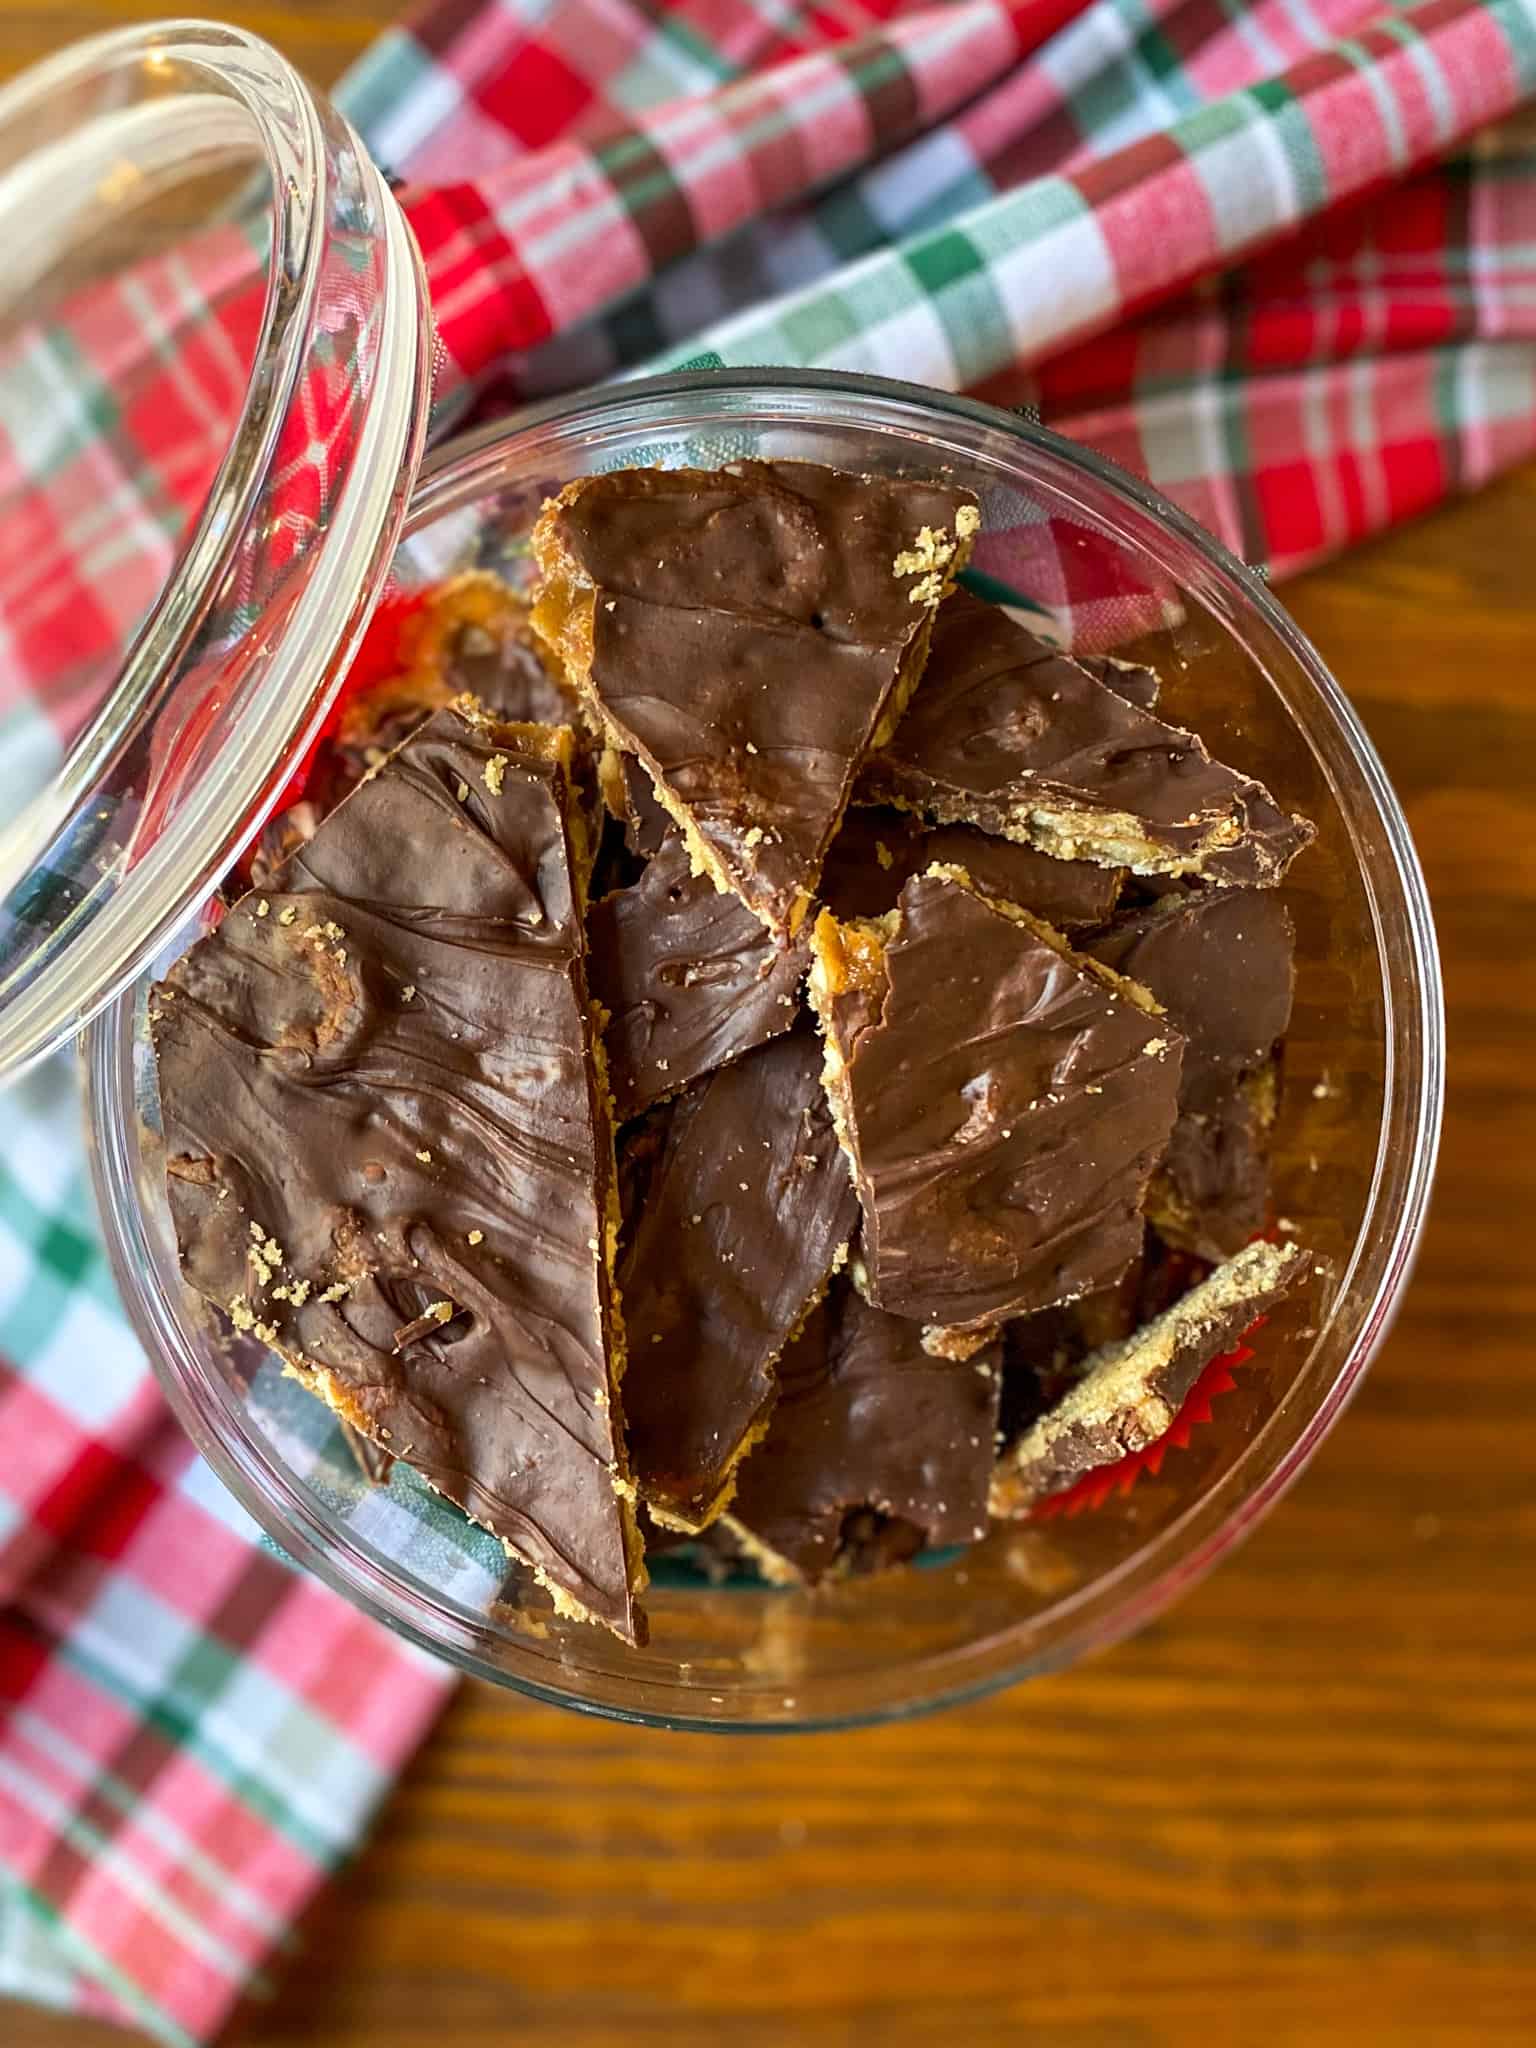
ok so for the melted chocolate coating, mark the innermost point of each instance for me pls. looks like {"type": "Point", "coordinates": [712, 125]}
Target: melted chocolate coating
{"type": "Point", "coordinates": [876, 851]}
{"type": "Point", "coordinates": [689, 978]}
{"type": "Point", "coordinates": [744, 1217]}
{"type": "Point", "coordinates": [867, 1423]}
{"type": "Point", "coordinates": [386, 1071]}
{"type": "Point", "coordinates": [748, 636]}
{"type": "Point", "coordinates": [1008, 734]}
{"type": "Point", "coordinates": [1222, 964]}
{"type": "Point", "coordinates": [1004, 1110]}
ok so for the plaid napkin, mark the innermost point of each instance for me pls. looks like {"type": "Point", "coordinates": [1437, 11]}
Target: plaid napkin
{"type": "Point", "coordinates": [1269, 253]}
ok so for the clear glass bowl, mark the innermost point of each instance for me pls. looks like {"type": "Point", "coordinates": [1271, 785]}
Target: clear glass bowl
{"type": "Point", "coordinates": [1355, 1151]}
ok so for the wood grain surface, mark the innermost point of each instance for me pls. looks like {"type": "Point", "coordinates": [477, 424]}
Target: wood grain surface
{"type": "Point", "coordinates": [1300, 1810]}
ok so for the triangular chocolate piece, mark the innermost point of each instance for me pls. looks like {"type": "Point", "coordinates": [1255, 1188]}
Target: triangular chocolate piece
{"type": "Point", "coordinates": [1010, 734]}
{"type": "Point", "coordinates": [1131, 1390]}
{"type": "Point", "coordinates": [390, 1158]}
{"type": "Point", "coordinates": [749, 634]}
{"type": "Point", "coordinates": [743, 1218]}
{"type": "Point", "coordinates": [1003, 1104]}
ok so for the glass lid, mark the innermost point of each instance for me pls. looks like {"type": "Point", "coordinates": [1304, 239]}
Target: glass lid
{"type": "Point", "coordinates": [215, 349]}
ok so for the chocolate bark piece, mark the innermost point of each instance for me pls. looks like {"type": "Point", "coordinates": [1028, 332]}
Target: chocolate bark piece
{"type": "Point", "coordinates": [689, 980]}
{"type": "Point", "coordinates": [749, 634]}
{"type": "Point", "coordinates": [746, 1215]}
{"type": "Point", "coordinates": [1211, 1192]}
{"type": "Point", "coordinates": [879, 849]}
{"type": "Point", "coordinates": [1044, 1354]}
{"type": "Point", "coordinates": [867, 1425]}
{"type": "Point", "coordinates": [1222, 964]}
{"type": "Point", "coordinates": [1003, 1103]}
{"type": "Point", "coordinates": [1011, 735]}
{"type": "Point", "coordinates": [389, 1148]}
{"type": "Point", "coordinates": [1131, 1391]}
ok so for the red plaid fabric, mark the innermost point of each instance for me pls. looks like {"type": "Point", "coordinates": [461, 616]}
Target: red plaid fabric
{"type": "Point", "coordinates": [1269, 253]}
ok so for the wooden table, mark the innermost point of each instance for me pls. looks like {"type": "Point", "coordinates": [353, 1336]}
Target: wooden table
{"type": "Point", "coordinates": [1301, 1809]}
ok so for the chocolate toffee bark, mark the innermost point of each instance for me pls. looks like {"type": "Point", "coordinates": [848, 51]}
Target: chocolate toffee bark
{"type": "Point", "coordinates": [1008, 734]}
{"type": "Point", "coordinates": [1131, 1391]}
{"type": "Point", "coordinates": [744, 1217]}
{"type": "Point", "coordinates": [1003, 1104]}
{"type": "Point", "coordinates": [869, 1427]}
{"type": "Point", "coordinates": [748, 634]}
{"type": "Point", "coordinates": [388, 1144]}
{"type": "Point", "coordinates": [688, 978]}
{"type": "Point", "coordinates": [877, 850]}
{"type": "Point", "coordinates": [1222, 963]}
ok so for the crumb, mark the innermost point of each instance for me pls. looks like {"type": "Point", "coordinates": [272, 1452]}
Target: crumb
{"type": "Point", "coordinates": [462, 790]}
{"type": "Point", "coordinates": [884, 855]}
{"type": "Point", "coordinates": [753, 837]}
{"type": "Point", "coordinates": [263, 907]}
{"type": "Point", "coordinates": [424, 1156]}
{"type": "Point", "coordinates": [476, 1237]}
{"type": "Point", "coordinates": [408, 992]}
{"type": "Point", "coordinates": [287, 916]}
{"type": "Point", "coordinates": [495, 773]}
{"type": "Point", "coordinates": [336, 1290]}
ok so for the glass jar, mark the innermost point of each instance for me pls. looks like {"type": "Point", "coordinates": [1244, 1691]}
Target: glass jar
{"type": "Point", "coordinates": [1354, 1153]}
{"type": "Point", "coordinates": [215, 377]}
